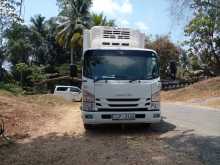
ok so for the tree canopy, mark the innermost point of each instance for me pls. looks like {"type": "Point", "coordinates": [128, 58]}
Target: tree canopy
{"type": "Point", "coordinates": [202, 31]}
{"type": "Point", "coordinates": [42, 50]}
{"type": "Point", "coordinates": [9, 13]}
{"type": "Point", "coordinates": [73, 18]}
{"type": "Point", "coordinates": [166, 50]}
{"type": "Point", "coordinates": [101, 20]}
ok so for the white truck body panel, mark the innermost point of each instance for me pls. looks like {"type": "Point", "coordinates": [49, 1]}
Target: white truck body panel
{"type": "Point", "coordinates": [101, 37]}
{"type": "Point", "coordinates": [118, 97]}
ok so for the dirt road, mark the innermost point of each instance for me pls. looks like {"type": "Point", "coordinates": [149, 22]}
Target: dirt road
{"type": "Point", "coordinates": [63, 141]}
{"type": "Point", "coordinates": [201, 120]}
{"type": "Point", "coordinates": [201, 126]}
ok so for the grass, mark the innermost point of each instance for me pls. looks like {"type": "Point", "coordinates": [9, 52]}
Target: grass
{"type": "Point", "coordinates": [17, 93]}
{"type": "Point", "coordinates": [215, 103]}
{"type": "Point", "coordinates": [12, 88]}
{"type": "Point", "coordinates": [45, 99]}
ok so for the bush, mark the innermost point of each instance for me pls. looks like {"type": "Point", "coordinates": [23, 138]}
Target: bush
{"type": "Point", "coordinates": [15, 89]}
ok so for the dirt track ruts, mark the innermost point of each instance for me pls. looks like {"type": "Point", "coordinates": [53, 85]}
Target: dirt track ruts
{"type": "Point", "coordinates": [63, 140]}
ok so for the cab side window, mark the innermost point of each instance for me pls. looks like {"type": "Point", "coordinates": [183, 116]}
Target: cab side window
{"type": "Point", "coordinates": [63, 89]}
{"type": "Point", "coordinates": [155, 68]}
{"type": "Point", "coordinates": [74, 90]}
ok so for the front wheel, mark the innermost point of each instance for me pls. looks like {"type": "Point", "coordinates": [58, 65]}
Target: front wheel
{"type": "Point", "coordinates": [147, 125]}
{"type": "Point", "coordinates": [88, 126]}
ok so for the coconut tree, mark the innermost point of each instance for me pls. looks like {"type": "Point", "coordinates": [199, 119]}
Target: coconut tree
{"type": "Point", "coordinates": [39, 39]}
{"type": "Point", "coordinates": [74, 17]}
{"type": "Point", "coordinates": [101, 20]}
{"type": "Point", "coordinates": [38, 24]}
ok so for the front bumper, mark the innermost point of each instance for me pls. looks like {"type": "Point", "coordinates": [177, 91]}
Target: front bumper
{"type": "Point", "coordinates": [105, 117]}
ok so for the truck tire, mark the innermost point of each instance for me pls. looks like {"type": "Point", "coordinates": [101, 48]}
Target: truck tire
{"type": "Point", "coordinates": [88, 126]}
{"type": "Point", "coordinates": [147, 125]}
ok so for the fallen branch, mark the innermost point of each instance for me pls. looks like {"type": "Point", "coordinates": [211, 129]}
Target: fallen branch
{"type": "Point", "coordinates": [58, 79]}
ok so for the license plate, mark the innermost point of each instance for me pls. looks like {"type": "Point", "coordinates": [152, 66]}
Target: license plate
{"type": "Point", "coordinates": [126, 116]}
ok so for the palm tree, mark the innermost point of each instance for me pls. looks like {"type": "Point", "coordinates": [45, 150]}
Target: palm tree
{"type": "Point", "coordinates": [101, 20]}
{"type": "Point", "coordinates": [72, 20]}
{"type": "Point", "coordinates": [38, 24]}
{"type": "Point", "coordinates": [39, 39]}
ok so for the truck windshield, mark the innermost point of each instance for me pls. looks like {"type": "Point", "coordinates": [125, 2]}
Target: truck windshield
{"type": "Point", "coordinates": [120, 65]}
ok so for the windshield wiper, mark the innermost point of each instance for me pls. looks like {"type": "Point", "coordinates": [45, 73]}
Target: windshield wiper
{"type": "Point", "coordinates": [109, 77]}
{"type": "Point", "coordinates": [104, 78]}
{"type": "Point", "coordinates": [139, 79]}
{"type": "Point", "coordinates": [134, 80]}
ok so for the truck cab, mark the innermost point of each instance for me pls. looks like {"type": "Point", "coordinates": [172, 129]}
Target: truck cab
{"type": "Point", "coordinates": [121, 82]}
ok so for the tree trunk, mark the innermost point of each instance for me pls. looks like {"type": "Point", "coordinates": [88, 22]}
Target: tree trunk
{"type": "Point", "coordinates": [1, 73]}
{"type": "Point", "coordinates": [1, 33]}
{"type": "Point", "coordinates": [21, 79]}
{"type": "Point", "coordinates": [20, 12]}
{"type": "Point", "coordinates": [71, 56]}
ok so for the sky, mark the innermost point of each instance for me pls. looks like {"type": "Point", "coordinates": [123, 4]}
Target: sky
{"type": "Point", "coordinates": [150, 16]}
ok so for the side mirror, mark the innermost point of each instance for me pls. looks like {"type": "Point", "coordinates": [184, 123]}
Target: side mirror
{"type": "Point", "coordinates": [73, 70]}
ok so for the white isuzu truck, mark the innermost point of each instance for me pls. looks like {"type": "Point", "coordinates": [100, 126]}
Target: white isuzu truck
{"type": "Point", "coordinates": [120, 79]}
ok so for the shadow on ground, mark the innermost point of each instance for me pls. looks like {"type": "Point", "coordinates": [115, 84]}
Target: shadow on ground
{"type": "Point", "coordinates": [132, 144]}
{"type": "Point", "coordinates": [206, 149]}
{"type": "Point", "coordinates": [131, 129]}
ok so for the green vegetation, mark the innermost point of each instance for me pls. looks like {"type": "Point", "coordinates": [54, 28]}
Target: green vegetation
{"type": "Point", "coordinates": [202, 31]}
{"type": "Point", "coordinates": [12, 88]}
{"type": "Point", "coordinates": [73, 18]}
{"type": "Point", "coordinates": [167, 50]}
{"type": "Point", "coordinates": [43, 50]}
{"type": "Point", "coordinates": [101, 20]}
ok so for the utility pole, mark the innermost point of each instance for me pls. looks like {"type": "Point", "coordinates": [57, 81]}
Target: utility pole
{"type": "Point", "coordinates": [22, 9]}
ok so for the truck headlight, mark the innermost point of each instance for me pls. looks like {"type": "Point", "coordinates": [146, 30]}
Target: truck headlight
{"type": "Point", "coordinates": [88, 106]}
{"type": "Point", "coordinates": [155, 96]}
{"type": "Point", "coordinates": [88, 101]}
{"type": "Point", "coordinates": [155, 106]}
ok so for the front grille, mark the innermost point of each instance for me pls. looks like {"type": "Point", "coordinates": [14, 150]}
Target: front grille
{"type": "Point", "coordinates": [147, 104]}
{"type": "Point", "coordinates": [124, 99]}
{"type": "Point", "coordinates": [123, 105]}
{"type": "Point", "coordinates": [98, 104]}
{"type": "Point", "coordinates": [123, 102]}
{"type": "Point", "coordinates": [122, 110]}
